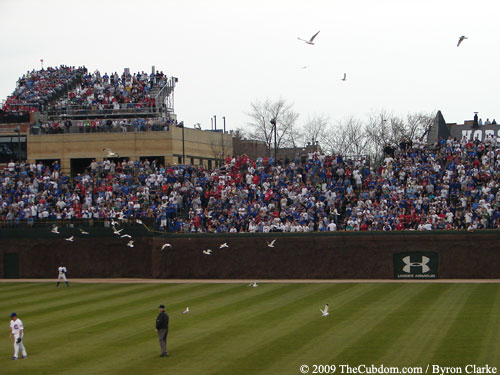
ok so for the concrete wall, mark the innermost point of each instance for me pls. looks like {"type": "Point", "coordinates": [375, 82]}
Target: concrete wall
{"type": "Point", "coordinates": [342, 256]}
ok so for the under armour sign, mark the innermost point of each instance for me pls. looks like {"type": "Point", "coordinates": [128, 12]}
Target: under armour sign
{"type": "Point", "coordinates": [416, 265]}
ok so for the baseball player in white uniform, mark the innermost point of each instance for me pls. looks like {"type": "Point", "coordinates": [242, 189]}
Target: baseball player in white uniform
{"type": "Point", "coordinates": [17, 332]}
{"type": "Point", "coordinates": [62, 275]}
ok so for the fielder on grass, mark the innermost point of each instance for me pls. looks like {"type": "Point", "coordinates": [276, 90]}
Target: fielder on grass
{"type": "Point", "coordinates": [17, 332]}
{"type": "Point", "coordinates": [62, 275]}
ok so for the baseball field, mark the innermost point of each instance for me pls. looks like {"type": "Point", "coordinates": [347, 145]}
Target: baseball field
{"type": "Point", "coordinates": [107, 328]}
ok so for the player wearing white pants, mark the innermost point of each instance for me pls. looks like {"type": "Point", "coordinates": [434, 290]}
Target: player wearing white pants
{"type": "Point", "coordinates": [62, 275]}
{"type": "Point", "coordinates": [17, 332]}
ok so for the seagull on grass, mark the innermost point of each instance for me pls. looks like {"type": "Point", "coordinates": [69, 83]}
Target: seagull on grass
{"type": "Point", "coordinates": [70, 239]}
{"type": "Point", "coordinates": [461, 39]}
{"type": "Point", "coordinates": [254, 284]}
{"type": "Point", "coordinates": [130, 244]}
{"type": "Point", "coordinates": [324, 312]}
{"type": "Point", "coordinates": [126, 236]}
{"type": "Point", "coordinates": [165, 246]}
{"type": "Point", "coordinates": [54, 230]}
{"type": "Point", "coordinates": [109, 153]}
{"type": "Point", "coordinates": [83, 232]}
{"type": "Point", "coordinates": [223, 245]}
{"type": "Point", "coordinates": [207, 252]}
{"type": "Point", "coordinates": [186, 311]}
{"type": "Point", "coordinates": [271, 244]}
{"type": "Point", "coordinates": [310, 41]}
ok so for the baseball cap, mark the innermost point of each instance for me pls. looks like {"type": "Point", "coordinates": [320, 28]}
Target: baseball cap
{"type": "Point", "coordinates": [13, 315]}
{"type": "Point", "coordinates": [161, 307]}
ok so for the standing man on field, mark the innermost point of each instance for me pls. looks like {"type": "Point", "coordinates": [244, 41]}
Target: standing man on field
{"type": "Point", "coordinates": [17, 332]}
{"type": "Point", "coordinates": [162, 330]}
{"type": "Point", "coordinates": [62, 275]}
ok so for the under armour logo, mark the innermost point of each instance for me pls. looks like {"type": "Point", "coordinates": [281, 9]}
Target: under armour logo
{"type": "Point", "coordinates": [409, 264]}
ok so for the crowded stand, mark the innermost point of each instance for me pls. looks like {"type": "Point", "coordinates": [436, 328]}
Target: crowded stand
{"type": "Point", "coordinates": [123, 125]}
{"type": "Point", "coordinates": [37, 88]}
{"type": "Point", "coordinates": [113, 92]}
{"type": "Point", "coordinates": [68, 88]}
{"type": "Point", "coordinates": [453, 184]}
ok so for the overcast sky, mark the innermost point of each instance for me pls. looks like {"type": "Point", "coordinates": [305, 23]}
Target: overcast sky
{"type": "Point", "coordinates": [399, 55]}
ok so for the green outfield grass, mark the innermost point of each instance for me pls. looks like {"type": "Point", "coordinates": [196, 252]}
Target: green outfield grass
{"type": "Point", "coordinates": [234, 329]}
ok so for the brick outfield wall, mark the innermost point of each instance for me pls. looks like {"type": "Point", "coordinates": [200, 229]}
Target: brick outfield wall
{"type": "Point", "coordinates": [342, 256]}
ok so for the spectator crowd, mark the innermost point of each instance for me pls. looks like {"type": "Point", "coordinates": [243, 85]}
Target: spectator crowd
{"type": "Point", "coordinates": [453, 184]}
{"type": "Point", "coordinates": [39, 87]}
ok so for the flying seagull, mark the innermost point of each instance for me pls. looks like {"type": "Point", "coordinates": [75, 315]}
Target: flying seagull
{"type": "Point", "coordinates": [304, 67]}
{"type": "Point", "coordinates": [54, 230]}
{"type": "Point", "coordinates": [325, 312]}
{"type": "Point", "coordinates": [345, 77]}
{"type": "Point", "coordinates": [83, 232]}
{"type": "Point", "coordinates": [223, 245]}
{"type": "Point", "coordinates": [130, 244]}
{"type": "Point", "coordinates": [117, 232]}
{"type": "Point", "coordinates": [165, 246]}
{"type": "Point", "coordinates": [254, 284]}
{"type": "Point", "coordinates": [70, 239]}
{"type": "Point", "coordinates": [126, 236]}
{"type": "Point", "coordinates": [110, 154]}
{"type": "Point", "coordinates": [461, 39]}
{"type": "Point", "coordinates": [271, 244]}
{"type": "Point", "coordinates": [186, 311]}
{"type": "Point", "coordinates": [138, 221]}
{"type": "Point", "coordinates": [310, 41]}
{"type": "Point", "coordinates": [207, 252]}
{"type": "Point", "coordinates": [113, 223]}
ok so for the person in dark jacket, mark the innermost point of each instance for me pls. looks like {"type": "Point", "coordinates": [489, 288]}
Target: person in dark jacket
{"type": "Point", "coordinates": [162, 330]}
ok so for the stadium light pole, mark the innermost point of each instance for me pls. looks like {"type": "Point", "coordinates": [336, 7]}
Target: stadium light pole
{"type": "Point", "coordinates": [273, 122]}
{"type": "Point", "coordinates": [183, 152]}
{"type": "Point", "coordinates": [18, 131]}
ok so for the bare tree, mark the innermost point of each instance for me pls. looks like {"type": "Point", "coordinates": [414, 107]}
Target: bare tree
{"type": "Point", "coordinates": [315, 130]}
{"type": "Point", "coordinates": [261, 114]}
{"type": "Point", "coordinates": [219, 150]}
{"type": "Point", "coordinates": [347, 137]}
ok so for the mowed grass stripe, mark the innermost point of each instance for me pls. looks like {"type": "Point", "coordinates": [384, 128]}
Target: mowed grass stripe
{"type": "Point", "coordinates": [115, 313]}
{"type": "Point", "coordinates": [22, 289]}
{"type": "Point", "coordinates": [129, 336]}
{"type": "Point", "coordinates": [394, 323]}
{"type": "Point", "coordinates": [492, 343]}
{"type": "Point", "coordinates": [146, 342]}
{"type": "Point", "coordinates": [306, 329]}
{"type": "Point", "coordinates": [423, 341]}
{"type": "Point", "coordinates": [465, 336]}
{"type": "Point", "coordinates": [318, 344]}
{"type": "Point", "coordinates": [96, 312]}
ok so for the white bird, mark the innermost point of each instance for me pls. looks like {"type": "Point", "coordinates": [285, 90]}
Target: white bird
{"type": "Point", "coordinates": [126, 236]}
{"type": "Point", "coordinates": [207, 252]}
{"type": "Point", "coordinates": [54, 230]}
{"type": "Point", "coordinates": [70, 239]}
{"type": "Point", "coordinates": [165, 246]}
{"type": "Point", "coordinates": [110, 154]}
{"type": "Point", "coordinates": [310, 41]}
{"type": "Point", "coordinates": [117, 232]}
{"type": "Point", "coordinates": [130, 244]}
{"type": "Point", "coordinates": [138, 221]}
{"type": "Point", "coordinates": [83, 232]}
{"type": "Point", "coordinates": [223, 245]}
{"type": "Point", "coordinates": [324, 312]}
{"type": "Point", "coordinates": [113, 223]}
{"type": "Point", "coordinates": [254, 284]}
{"type": "Point", "coordinates": [461, 39]}
{"type": "Point", "coordinates": [345, 77]}
{"type": "Point", "coordinates": [271, 244]}
{"type": "Point", "coordinates": [304, 67]}
{"type": "Point", "coordinates": [186, 311]}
